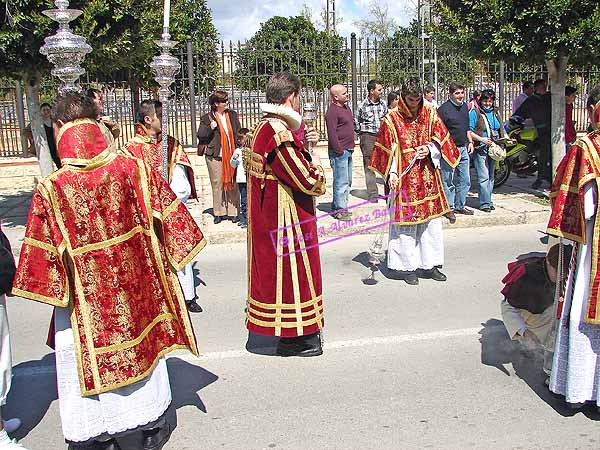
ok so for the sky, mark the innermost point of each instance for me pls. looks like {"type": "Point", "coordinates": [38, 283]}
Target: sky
{"type": "Point", "coordinates": [240, 19]}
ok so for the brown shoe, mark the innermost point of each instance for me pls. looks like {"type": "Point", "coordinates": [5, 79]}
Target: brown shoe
{"type": "Point", "coordinates": [468, 212]}
{"type": "Point", "coordinates": [450, 216]}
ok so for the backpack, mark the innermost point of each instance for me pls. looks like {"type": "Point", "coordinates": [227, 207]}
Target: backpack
{"type": "Point", "coordinates": [7, 265]}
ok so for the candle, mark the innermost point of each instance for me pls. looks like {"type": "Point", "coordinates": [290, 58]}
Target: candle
{"type": "Point", "coordinates": [167, 13]}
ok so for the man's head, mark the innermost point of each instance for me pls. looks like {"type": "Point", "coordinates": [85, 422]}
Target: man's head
{"type": "Point", "coordinates": [219, 101]}
{"type": "Point", "coordinates": [283, 88]}
{"type": "Point", "coordinates": [528, 87]}
{"type": "Point", "coordinates": [412, 94]}
{"type": "Point", "coordinates": [540, 86]}
{"type": "Point", "coordinates": [552, 260]}
{"type": "Point", "coordinates": [72, 106]}
{"type": "Point", "coordinates": [96, 96]}
{"type": "Point", "coordinates": [456, 92]}
{"type": "Point", "coordinates": [46, 111]}
{"type": "Point", "coordinates": [374, 88]}
{"type": "Point", "coordinates": [158, 110]}
{"type": "Point", "coordinates": [338, 94]}
{"type": "Point", "coordinates": [147, 117]}
{"type": "Point", "coordinates": [429, 93]}
{"type": "Point", "coordinates": [570, 94]}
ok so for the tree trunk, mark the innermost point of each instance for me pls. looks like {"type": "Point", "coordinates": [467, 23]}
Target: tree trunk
{"type": "Point", "coordinates": [557, 71]}
{"type": "Point", "coordinates": [32, 94]}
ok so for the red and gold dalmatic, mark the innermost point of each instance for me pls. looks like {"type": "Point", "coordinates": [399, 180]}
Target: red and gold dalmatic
{"type": "Point", "coordinates": [91, 246]}
{"type": "Point", "coordinates": [150, 150]}
{"type": "Point", "coordinates": [422, 197]}
{"type": "Point", "coordinates": [284, 268]}
{"type": "Point", "coordinates": [579, 167]}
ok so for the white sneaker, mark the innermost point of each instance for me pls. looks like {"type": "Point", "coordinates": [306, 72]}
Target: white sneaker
{"type": "Point", "coordinates": [11, 425]}
{"type": "Point", "coordinates": [12, 445]}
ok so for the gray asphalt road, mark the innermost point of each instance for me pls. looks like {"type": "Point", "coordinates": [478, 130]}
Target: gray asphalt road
{"type": "Point", "coordinates": [404, 367]}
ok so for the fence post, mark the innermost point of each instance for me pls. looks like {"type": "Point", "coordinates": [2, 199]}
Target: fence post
{"type": "Point", "coordinates": [501, 95]}
{"type": "Point", "coordinates": [353, 70]}
{"type": "Point", "coordinates": [192, 93]}
{"type": "Point", "coordinates": [21, 116]}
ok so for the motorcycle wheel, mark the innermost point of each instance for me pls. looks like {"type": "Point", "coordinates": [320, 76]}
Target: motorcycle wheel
{"type": "Point", "coordinates": [502, 173]}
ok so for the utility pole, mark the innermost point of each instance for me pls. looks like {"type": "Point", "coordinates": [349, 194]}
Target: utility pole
{"type": "Point", "coordinates": [330, 19]}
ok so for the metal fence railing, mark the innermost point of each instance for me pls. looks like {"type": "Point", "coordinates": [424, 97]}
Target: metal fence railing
{"type": "Point", "coordinates": [245, 67]}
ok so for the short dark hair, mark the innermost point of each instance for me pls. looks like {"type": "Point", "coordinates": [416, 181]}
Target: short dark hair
{"type": "Point", "coordinates": [527, 85]}
{"type": "Point", "coordinates": [539, 82]}
{"type": "Point", "coordinates": [372, 84]}
{"type": "Point", "coordinates": [412, 87]}
{"type": "Point", "coordinates": [391, 97]}
{"type": "Point", "coordinates": [146, 109]}
{"type": "Point", "coordinates": [429, 88]}
{"type": "Point", "coordinates": [217, 97]}
{"type": "Point", "coordinates": [476, 93]}
{"type": "Point", "coordinates": [487, 94]}
{"type": "Point", "coordinates": [91, 93]}
{"type": "Point", "coordinates": [553, 253]}
{"type": "Point", "coordinates": [455, 86]}
{"type": "Point", "coordinates": [242, 131]}
{"type": "Point", "coordinates": [157, 104]}
{"type": "Point", "coordinates": [72, 106]}
{"type": "Point", "coordinates": [570, 90]}
{"type": "Point", "coordinates": [46, 104]}
{"type": "Point", "coordinates": [281, 85]}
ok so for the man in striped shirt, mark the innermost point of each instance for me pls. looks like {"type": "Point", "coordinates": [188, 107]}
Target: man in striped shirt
{"type": "Point", "coordinates": [366, 124]}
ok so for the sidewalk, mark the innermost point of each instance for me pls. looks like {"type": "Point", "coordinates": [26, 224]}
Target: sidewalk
{"type": "Point", "coordinates": [515, 204]}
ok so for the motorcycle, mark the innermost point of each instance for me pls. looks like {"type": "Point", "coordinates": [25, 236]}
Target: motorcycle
{"type": "Point", "coordinates": [520, 152]}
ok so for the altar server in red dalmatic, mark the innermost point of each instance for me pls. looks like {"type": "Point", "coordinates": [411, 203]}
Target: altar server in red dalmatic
{"type": "Point", "coordinates": [105, 237]}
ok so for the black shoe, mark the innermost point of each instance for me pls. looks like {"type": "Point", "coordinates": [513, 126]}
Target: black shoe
{"type": "Point", "coordinates": [536, 184]}
{"type": "Point", "coordinates": [408, 277]}
{"type": "Point", "coordinates": [303, 346]}
{"type": "Point", "coordinates": [432, 274]}
{"type": "Point", "coordinates": [218, 219]}
{"type": "Point", "coordinates": [235, 219]}
{"type": "Point", "coordinates": [156, 438]}
{"type": "Point", "coordinates": [492, 208]}
{"type": "Point", "coordinates": [193, 306]}
{"type": "Point", "coordinates": [96, 445]}
{"type": "Point", "coordinates": [485, 209]}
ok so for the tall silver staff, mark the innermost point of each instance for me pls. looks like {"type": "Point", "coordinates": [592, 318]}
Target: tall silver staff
{"type": "Point", "coordinates": [165, 66]}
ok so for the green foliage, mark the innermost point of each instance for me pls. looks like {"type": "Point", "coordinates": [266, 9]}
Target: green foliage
{"type": "Point", "coordinates": [294, 45]}
{"type": "Point", "coordinates": [400, 56]}
{"type": "Point", "coordinates": [121, 33]}
{"type": "Point", "coordinates": [521, 30]}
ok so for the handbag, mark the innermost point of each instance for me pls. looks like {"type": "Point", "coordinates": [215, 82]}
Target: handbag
{"type": "Point", "coordinates": [7, 265]}
{"type": "Point", "coordinates": [495, 151]}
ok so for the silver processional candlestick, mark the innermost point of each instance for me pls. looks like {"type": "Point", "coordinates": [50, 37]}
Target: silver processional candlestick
{"type": "Point", "coordinates": [65, 50]}
{"type": "Point", "coordinates": [165, 66]}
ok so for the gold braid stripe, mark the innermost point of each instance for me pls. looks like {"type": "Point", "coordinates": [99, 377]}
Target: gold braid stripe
{"type": "Point", "coordinates": [278, 315]}
{"type": "Point", "coordinates": [280, 324]}
{"type": "Point", "coordinates": [110, 242]}
{"type": "Point", "coordinates": [178, 266]}
{"type": "Point", "coordinates": [42, 298]}
{"type": "Point", "coordinates": [39, 244]}
{"type": "Point", "coordinates": [270, 306]}
{"type": "Point", "coordinates": [137, 340]}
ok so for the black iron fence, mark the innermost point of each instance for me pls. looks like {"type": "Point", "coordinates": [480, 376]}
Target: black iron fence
{"type": "Point", "coordinates": [245, 67]}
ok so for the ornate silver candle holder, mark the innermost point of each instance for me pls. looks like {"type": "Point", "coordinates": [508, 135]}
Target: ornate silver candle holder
{"type": "Point", "coordinates": [65, 50]}
{"type": "Point", "coordinates": [165, 66]}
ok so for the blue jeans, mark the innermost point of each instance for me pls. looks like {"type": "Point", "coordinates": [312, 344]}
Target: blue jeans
{"type": "Point", "coordinates": [242, 189]}
{"type": "Point", "coordinates": [341, 165]}
{"type": "Point", "coordinates": [484, 167]}
{"type": "Point", "coordinates": [457, 181]}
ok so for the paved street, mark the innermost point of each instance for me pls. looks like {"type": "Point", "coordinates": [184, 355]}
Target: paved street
{"type": "Point", "coordinates": [404, 367]}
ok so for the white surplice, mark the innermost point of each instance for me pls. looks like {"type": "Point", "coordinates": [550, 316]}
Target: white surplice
{"type": "Point", "coordinates": [180, 185]}
{"type": "Point", "coordinates": [420, 246]}
{"type": "Point", "coordinates": [575, 369]}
